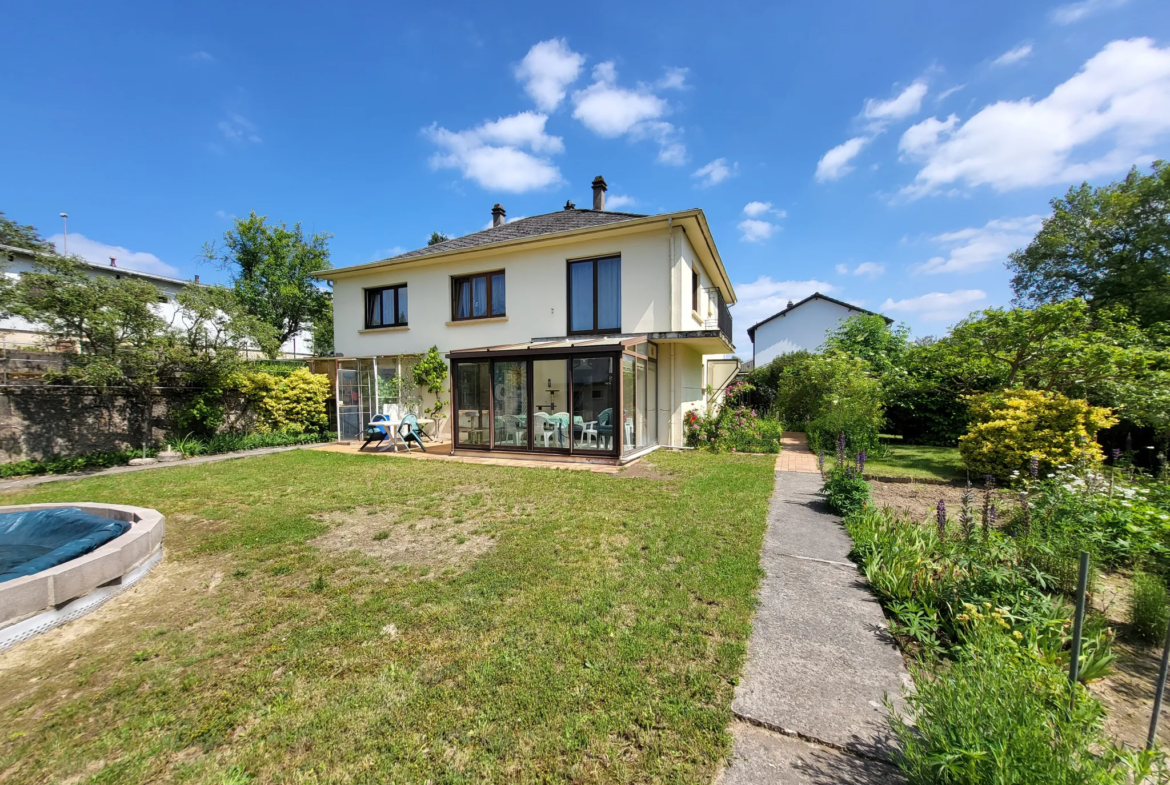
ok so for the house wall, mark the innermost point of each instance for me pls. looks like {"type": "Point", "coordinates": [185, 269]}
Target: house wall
{"type": "Point", "coordinates": [536, 301]}
{"type": "Point", "coordinates": [803, 328]}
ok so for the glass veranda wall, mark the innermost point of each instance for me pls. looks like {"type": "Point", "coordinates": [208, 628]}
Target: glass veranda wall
{"type": "Point", "coordinates": [373, 385]}
{"type": "Point", "coordinates": [562, 402]}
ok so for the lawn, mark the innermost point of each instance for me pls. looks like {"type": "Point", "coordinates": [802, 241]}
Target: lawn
{"type": "Point", "coordinates": [911, 460]}
{"type": "Point", "coordinates": [334, 618]}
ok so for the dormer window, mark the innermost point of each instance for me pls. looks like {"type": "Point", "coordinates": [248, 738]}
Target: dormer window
{"type": "Point", "coordinates": [595, 295]}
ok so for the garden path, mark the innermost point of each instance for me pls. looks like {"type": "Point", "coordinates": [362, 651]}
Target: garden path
{"type": "Point", "coordinates": [795, 456]}
{"type": "Point", "coordinates": [820, 663]}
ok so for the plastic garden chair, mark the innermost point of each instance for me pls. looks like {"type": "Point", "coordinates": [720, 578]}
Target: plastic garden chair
{"type": "Point", "coordinates": [605, 427]}
{"type": "Point", "coordinates": [410, 432]}
{"type": "Point", "coordinates": [378, 433]}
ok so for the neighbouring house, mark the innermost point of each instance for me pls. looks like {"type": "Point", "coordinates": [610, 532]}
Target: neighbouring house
{"type": "Point", "coordinates": [800, 326]}
{"type": "Point", "coordinates": [18, 333]}
{"type": "Point", "coordinates": [581, 332]}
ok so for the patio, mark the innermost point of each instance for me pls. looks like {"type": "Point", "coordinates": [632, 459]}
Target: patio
{"type": "Point", "coordinates": [441, 451]}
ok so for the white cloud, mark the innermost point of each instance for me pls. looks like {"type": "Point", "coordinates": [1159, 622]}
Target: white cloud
{"type": "Point", "coordinates": [489, 224]}
{"type": "Point", "coordinates": [938, 306]}
{"type": "Point", "coordinates": [842, 269]}
{"type": "Point", "coordinates": [921, 138]}
{"type": "Point", "coordinates": [906, 103]}
{"type": "Point", "coordinates": [835, 163]}
{"type": "Point", "coordinates": [715, 172]}
{"type": "Point", "coordinates": [611, 111]}
{"type": "Point", "coordinates": [945, 94]}
{"type": "Point", "coordinates": [547, 71]}
{"type": "Point", "coordinates": [618, 201]}
{"type": "Point", "coordinates": [238, 128]}
{"type": "Point", "coordinates": [764, 297]}
{"type": "Point", "coordinates": [1013, 56]}
{"type": "Point", "coordinates": [491, 154]}
{"type": "Point", "coordinates": [221, 214]}
{"type": "Point", "coordinates": [870, 270]}
{"type": "Point", "coordinates": [1114, 110]}
{"type": "Point", "coordinates": [1075, 12]}
{"type": "Point", "coordinates": [675, 79]}
{"type": "Point", "coordinates": [201, 57]}
{"type": "Point", "coordinates": [100, 253]}
{"type": "Point", "coordinates": [756, 209]}
{"type": "Point", "coordinates": [756, 231]}
{"type": "Point", "coordinates": [974, 248]}
{"type": "Point", "coordinates": [387, 253]}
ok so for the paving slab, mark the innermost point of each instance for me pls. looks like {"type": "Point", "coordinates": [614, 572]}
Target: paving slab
{"type": "Point", "coordinates": [820, 661]}
{"type": "Point", "coordinates": [763, 756]}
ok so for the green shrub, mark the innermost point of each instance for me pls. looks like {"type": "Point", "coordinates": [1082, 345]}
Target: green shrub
{"type": "Point", "coordinates": [846, 492]}
{"type": "Point", "coordinates": [293, 404]}
{"type": "Point", "coordinates": [1148, 611]}
{"type": "Point", "coordinates": [999, 715]}
{"type": "Point", "coordinates": [56, 464]}
{"type": "Point", "coordinates": [733, 427]}
{"type": "Point", "coordinates": [1009, 428]}
{"type": "Point", "coordinates": [858, 421]}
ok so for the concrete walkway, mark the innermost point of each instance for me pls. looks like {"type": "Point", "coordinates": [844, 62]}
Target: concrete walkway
{"type": "Point", "coordinates": [819, 662]}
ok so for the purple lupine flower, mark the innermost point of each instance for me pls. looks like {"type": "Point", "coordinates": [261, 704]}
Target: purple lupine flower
{"type": "Point", "coordinates": [1034, 467]}
{"type": "Point", "coordinates": [1116, 454]}
{"type": "Point", "coordinates": [861, 456]}
{"type": "Point", "coordinates": [942, 519]}
{"type": "Point", "coordinates": [841, 449]}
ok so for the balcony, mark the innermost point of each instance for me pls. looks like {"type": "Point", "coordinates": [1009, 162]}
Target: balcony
{"type": "Point", "coordinates": [721, 320]}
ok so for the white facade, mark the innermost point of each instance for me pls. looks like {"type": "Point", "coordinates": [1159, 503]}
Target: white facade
{"type": "Point", "coordinates": [659, 262]}
{"type": "Point", "coordinates": [802, 327]}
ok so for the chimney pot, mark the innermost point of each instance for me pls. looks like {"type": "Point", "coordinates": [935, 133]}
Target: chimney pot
{"type": "Point", "coordinates": [197, 279]}
{"type": "Point", "coordinates": [599, 189]}
{"type": "Point", "coordinates": [497, 215]}
{"type": "Point", "coordinates": [113, 262]}
{"type": "Point", "coordinates": [569, 205]}
{"type": "Point", "coordinates": [790, 303]}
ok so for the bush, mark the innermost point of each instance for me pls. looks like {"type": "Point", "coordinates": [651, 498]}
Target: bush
{"type": "Point", "coordinates": [734, 429]}
{"type": "Point", "coordinates": [56, 464]}
{"type": "Point", "coordinates": [1000, 715]}
{"type": "Point", "coordinates": [859, 421]}
{"type": "Point", "coordinates": [846, 492]}
{"type": "Point", "coordinates": [292, 404]}
{"type": "Point", "coordinates": [1012, 426]}
{"type": "Point", "coordinates": [1148, 611]}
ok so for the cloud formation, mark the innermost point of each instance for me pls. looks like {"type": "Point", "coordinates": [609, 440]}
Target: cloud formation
{"type": "Point", "coordinates": [763, 297]}
{"type": "Point", "coordinates": [754, 229]}
{"type": "Point", "coordinates": [870, 270]}
{"type": "Point", "coordinates": [715, 172]}
{"type": "Point", "coordinates": [237, 128]}
{"type": "Point", "coordinates": [976, 247]}
{"type": "Point", "coordinates": [100, 253]}
{"type": "Point", "coordinates": [508, 154]}
{"type": "Point", "coordinates": [938, 306]}
{"type": "Point", "coordinates": [1075, 12]}
{"type": "Point", "coordinates": [1113, 111]}
{"type": "Point", "coordinates": [1013, 56]}
{"type": "Point", "coordinates": [547, 71]}
{"type": "Point", "coordinates": [617, 201]}
{"type": "Point", "coordinates": [906, 103]}
{"type": "Point", "coordinates": [610, 111]}
{"type": "Point", "coordinates": [835, 164]}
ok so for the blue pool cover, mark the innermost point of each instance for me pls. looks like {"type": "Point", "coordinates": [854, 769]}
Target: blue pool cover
{"type": "Point", "coordinates": [39, 539]}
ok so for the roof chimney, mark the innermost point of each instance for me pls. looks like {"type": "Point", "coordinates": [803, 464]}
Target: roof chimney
{"type": "Point", "coordinates": [790, 303]}
{"type": "Point", "coordinates": [113, 262]}
{"type": "Point", "coordinates": [599, 189]}
{"type": "Point", "coordinates": [197, 279]}
{"type": "Point", "coordinates": [497, 215]}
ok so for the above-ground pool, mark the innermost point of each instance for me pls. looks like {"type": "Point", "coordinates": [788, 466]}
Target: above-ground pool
{"type": "Point", "coordinates": [39, 539]}
{"type": "Point", "coordinates": [60, 561]}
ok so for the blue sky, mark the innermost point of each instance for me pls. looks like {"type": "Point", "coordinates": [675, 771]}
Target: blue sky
{"type": "Point", "coordinates": [890, 154]}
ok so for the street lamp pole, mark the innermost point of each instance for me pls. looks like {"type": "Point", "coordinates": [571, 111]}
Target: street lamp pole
{"type": "Point", "coordinates": [65, 243]}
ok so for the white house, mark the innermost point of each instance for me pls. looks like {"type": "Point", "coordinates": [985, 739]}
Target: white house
{"type": "Point", "coordinates": [16, 332]}
{"type": "Point", "coordinates": [800, 326]}
{"type": "Point", "coordinates": [577, 332]}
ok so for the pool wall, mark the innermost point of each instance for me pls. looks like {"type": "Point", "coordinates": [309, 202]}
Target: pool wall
{"type": "Point", "coordinates": [37, 602]}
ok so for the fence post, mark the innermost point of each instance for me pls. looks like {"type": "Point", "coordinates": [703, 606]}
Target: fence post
{"type": "Point", "coordinates": [1074, 667]}
{"type": "Point", "coordinates": [1161, 691]}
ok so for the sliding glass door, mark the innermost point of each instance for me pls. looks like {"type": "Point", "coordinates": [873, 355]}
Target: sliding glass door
{"type": "Point", "coordinates": [594, 399]}
{"type": "Point", "coordinates": [473, 391]}
{"type": "Point", "coordinates": [510, 388]}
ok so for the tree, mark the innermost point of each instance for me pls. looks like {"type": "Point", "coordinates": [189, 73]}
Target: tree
{"type": "Point", "coordinates": [271, 266]}
{"type": "Point", "coordinates": [1108, 245]}
{"type": "Point", "coordinates": [323, 331]}
{"type": "Point", "coordinates": [436, 238]}
{"type": "Point", "coordinates": [18, 236]}
{"type": "Point", "coordinates": [870, 338]}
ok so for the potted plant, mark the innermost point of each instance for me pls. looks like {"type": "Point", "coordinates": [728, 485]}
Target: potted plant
{"type": "Point", "coordinates": [431, 373]}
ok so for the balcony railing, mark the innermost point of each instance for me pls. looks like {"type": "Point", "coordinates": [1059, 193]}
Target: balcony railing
{"type": "Point", "coordinates": [721, 320]}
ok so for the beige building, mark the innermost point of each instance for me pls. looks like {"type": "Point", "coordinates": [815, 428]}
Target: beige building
{"type": "Point", "coordinates": [581, 332]}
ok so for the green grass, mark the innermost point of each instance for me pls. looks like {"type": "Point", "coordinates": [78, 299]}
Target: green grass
{"type": "Point", "coordinates": [597, 637]}
{"type": "Point", "coordinates": [909, 460]}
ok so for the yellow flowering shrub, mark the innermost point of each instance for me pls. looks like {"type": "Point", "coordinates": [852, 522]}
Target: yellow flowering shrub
{"type": "Point", "coordinates": [290, 404]}
{"type": "Point", "coordinates": [1008, 428]}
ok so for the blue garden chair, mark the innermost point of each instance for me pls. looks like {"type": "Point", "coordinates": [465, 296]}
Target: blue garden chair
{"type": "Point", "coordinates": [605, 426]}
{"type": "Point", "coordinates": [377, 433]}
{"type": "Point", "coordinates": [411, 432]}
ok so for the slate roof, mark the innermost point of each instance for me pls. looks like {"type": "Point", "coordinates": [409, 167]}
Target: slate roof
{"type": "Point", "coordinates": [533, 226]}
{"type": "Point", "coordinates": [751, 331]}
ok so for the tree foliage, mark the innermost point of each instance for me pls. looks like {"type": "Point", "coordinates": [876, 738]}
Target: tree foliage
{"type": "Point", "coordinates": [21, 236]}
{"type": "Point", "coordinates": [1107, 245]}
{"type": "Point", "coordinates": [870, 338]}
{"type": "Point", "coordinates": [436, 238]}
{"type": "Point", "coordinates": [270, 266]}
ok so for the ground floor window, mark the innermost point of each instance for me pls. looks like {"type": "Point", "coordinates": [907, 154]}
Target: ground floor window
{"type": "Point", "coordinates": [563, 404]}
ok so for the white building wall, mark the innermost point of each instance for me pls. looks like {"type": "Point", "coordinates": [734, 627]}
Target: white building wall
{"type": "Point", "coordinates": [802, 328]}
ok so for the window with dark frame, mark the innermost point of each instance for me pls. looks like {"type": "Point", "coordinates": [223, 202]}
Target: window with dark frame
{"type": "Point", "coordinates": [595, 295]}
{"type": "Point", "coordinates": [386, 306]}
{"type": "Point", "coordinates": [694, 289]}
{"type": "Point", "coordinates": [478, 296]}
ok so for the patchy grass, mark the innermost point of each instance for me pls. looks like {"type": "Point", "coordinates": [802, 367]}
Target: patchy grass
{"type": "Point", "coordinates": [911, 460]}
{"type": "Point", "coordinates": [572, 627]}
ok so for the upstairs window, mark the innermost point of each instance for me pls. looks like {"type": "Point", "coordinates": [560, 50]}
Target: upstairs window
{"type": "Point", "coordinates": [386, 307]}
{"type": "Point", "coordinates": [478, 296]}
{"type": "Point", "coordinates": [695, 289]}
{"type": "Point", "coordinates": [595, 295]}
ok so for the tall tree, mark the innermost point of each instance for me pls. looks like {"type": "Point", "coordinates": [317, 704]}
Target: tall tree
{"type": "Point", "coordinates": [1108, 245]}
{"type": "Point", "coordinates": [19, 236]}
{"type": "Point", "coordinates": [271, 266]}
{"type": "Point", "coordinates": [436, 238]}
